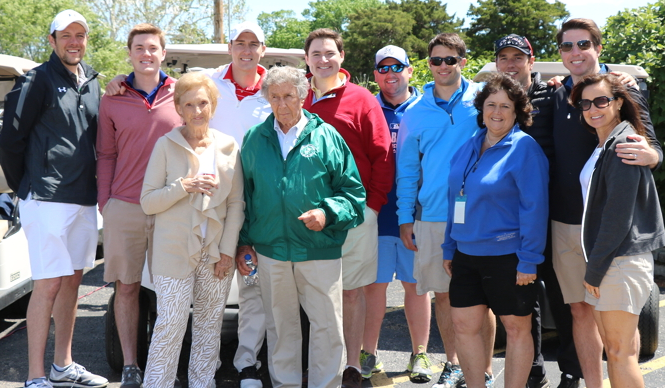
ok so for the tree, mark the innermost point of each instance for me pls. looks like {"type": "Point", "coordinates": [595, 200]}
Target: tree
{"type": "Point", "coordinates": [234, 11]}
{"type": "Point", "coordinates": [409, 24]}
{"type": "Point", "coordinates": [371, 29]}
{"type": "Point", "coordinates": [637, 37]}
{"type": "Point", "coordinates": [25, 34]}
{"type": "Point", "coordinates": [119, 16]}
{"type": "Point", "coordinates": [430, 19]}
{"type": "Point", "coordinates": [335, 14]}
{"type": "Point", "coordinates": [283, 29]}
{"type": "Point", "coordinates": [535, 19]}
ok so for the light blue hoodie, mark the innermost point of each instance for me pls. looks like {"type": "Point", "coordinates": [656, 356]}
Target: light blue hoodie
{"type": "Point", "coordinates": [428, 137]}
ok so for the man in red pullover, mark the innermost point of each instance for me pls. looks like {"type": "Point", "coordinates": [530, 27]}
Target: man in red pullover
{"type": "Point", "coordinates": [129, 125]}
{"type": "Point", "coordinates": [358, 117]}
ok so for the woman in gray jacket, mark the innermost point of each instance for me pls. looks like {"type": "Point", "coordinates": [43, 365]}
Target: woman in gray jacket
{"type": "Point", "coordinates": [622, 224]}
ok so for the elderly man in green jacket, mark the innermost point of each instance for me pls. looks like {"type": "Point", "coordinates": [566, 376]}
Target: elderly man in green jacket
{"type": "Point", "coordinates": [303, 192]}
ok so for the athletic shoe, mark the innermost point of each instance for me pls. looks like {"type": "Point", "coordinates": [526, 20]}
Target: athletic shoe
{"type": "Point", "coordinates": [40, 382]}
{"type": "Point", "coordinates": [449, 377]}
{"type": "Point", "coordinates": [538, 382]}
{"type": "Point", "coordinates": [420, 367]}
{"type": "Point", "coordinates": [249, 378]}
{"type": "Point", "coordinates": [369, 364]}
{"type": "Point", "coordinates": [489, 380]}
{"type": "Point", "coordinates": [568, 381]}
{"type": "Point", "coordinates": [132, 377]}
{"type": "Point", "coordinates": [351, 378]}
{"type": "Point", "coordinates": [76, 375]}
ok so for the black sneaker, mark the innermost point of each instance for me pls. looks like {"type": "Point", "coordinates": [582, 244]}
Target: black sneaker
{"type": "Point", "coordinates": [132, 377]}
{"type": "Point", "coordinates": [568, 381]}
{"type": "Point", "coordinates": [537, 382]}
{"type": "Point", "coordinates": [249, 378]}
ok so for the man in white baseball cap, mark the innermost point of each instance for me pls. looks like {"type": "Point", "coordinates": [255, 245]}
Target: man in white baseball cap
{"type": "Point", "coordinates": [48, 158]}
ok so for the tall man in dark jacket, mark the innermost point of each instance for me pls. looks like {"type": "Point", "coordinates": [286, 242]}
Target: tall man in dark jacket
{"type": "Point", "coordinates": [48, 157]}
{"type": "Point", "coordinates": [514, 56]}
{"type": "Point", "coordinates": [579, 42]}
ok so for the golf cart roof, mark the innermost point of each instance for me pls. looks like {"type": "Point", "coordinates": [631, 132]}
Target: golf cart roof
{"type": "Point", "coordinates": [550, 69]}
{"type": "Point", "coordinates": [186, 56]}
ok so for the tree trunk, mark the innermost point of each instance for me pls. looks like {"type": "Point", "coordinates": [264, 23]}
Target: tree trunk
{"type": "Point", "coordinates": [218, 22]}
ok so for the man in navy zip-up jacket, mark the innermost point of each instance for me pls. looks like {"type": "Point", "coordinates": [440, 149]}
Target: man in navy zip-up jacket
{"type": "Point", "coordinates": [48, 156]}
{"type": "Point", "coordinates": [580, 46]}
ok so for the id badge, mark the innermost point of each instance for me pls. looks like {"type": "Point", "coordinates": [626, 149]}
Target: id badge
{"type": "Point", "coordinates": [460, 206]}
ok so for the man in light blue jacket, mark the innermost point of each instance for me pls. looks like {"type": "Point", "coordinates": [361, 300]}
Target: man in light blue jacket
{"type": "Point", "coordinates": [431, 131]}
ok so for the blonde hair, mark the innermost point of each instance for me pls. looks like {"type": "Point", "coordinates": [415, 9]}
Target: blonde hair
{"type": "Point", "coordinates": [195, 80]}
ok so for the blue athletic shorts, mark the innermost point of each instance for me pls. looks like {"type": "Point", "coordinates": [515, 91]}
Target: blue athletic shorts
{"type": "Point", "coordinates": [394, 258]}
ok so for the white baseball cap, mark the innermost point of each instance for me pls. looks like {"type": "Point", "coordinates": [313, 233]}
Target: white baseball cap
{"type": "Point", "coordinates": [67, 17]}
{"type": "Point", "coordinates": [391, 51]}
{"type": "Point", "coordinates": [247, 27]}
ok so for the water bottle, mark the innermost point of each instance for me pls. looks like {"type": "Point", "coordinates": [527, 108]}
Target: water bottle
{"type": "Point", "coordinates": [253, 278]}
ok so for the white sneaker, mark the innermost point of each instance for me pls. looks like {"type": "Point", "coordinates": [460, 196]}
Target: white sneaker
{"type": "Point", "coordinates": [40, 382]}
{"type": "Point", "coordinates": [76, 375]}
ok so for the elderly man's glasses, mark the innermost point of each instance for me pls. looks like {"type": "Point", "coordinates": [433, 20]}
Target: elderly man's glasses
{"type": "Point", "coordinates": [437, 61]}
{"type": "Point", "coordinates": [568, 46]}
{"type": "Point", "coordinates": [396, 68]}
{"type": "Point", "coordinates": [600, 103]}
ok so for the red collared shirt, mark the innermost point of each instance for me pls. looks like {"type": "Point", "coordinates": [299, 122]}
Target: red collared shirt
{"type": "Point", "coordinates": [250, 91]}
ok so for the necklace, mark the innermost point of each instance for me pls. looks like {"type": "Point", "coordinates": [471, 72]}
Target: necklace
{"type": "Point", "coordinates": [487, 139]}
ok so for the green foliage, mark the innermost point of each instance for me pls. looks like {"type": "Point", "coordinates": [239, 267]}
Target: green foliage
{"type": "Point", "coordinates": [430, 19]}
{"type": "Point", "coordinates": [637, 37]}
{"type": "Point", "coordinates": [283, 29]}
{"type": "Point", "coordinates": [335, 14]}
{"type": "Point", "coordinates": [410, 24]}
{"type": "Point", "coordinates": [119, 16]}
{"type": "Point", "coordinates": [234, 11]}
{"type": "Point", "coordinates": [535, 19]}
{"type": "Point", "coordinates": [25, 34]}
{"type": "Point", "coordinates": [25, 26]}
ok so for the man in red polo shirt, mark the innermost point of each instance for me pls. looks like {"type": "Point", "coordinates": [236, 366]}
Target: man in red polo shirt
{"type": "Point", "coordinates": [358, 117]}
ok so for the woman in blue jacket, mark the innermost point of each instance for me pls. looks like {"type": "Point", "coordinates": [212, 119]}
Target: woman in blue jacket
{"type": "Point", "coordinates": [496, 231]}
{"type": "Point", "coordinates": [622, 224]}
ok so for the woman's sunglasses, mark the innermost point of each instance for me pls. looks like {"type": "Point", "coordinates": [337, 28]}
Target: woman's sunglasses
{"type": "Point", "coordinates": [396, 68]}
{"type": "Point", "coordinates": [437, 61]}
{"type": "Point", "coordinates": [568, 46]}
{"type": "Point", "coordinates": [600, 103]}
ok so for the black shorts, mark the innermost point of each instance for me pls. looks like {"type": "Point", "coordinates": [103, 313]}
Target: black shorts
{"type": "Point", "coordinates": [490, 281]}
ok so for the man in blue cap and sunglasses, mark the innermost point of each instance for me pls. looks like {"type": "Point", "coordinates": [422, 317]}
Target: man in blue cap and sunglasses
{"type": "Point", "coordinates": [392, 73]}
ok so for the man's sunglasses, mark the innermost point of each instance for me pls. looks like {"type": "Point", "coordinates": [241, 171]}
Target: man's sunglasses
{"type": "Point", "coordinates": [437, 61]}
{"type": "Point", "coordinates": [583, 44]}
{"type": "Point", "coordinates": [600, 103]}
{"type": "Point", "coordinates": [396, 68]}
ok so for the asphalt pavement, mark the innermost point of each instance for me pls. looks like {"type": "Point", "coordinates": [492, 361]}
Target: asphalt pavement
{"type": "Point", "coordinates": [394, 345]}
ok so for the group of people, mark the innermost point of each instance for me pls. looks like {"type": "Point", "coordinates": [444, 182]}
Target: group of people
{"type": "Point", "coordinates": [468, 190]}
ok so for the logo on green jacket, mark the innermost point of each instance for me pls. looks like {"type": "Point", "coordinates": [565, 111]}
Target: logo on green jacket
{"type": "Point", "coordinates": [308, 150]}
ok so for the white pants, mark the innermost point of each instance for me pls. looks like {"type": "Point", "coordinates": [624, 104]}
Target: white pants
{"type": "Point", "coordinates": [174, 296]}
{"type": "Point", "coordinates": [317, 286]}
{"type": "Point", "coordinates": [251, 325]}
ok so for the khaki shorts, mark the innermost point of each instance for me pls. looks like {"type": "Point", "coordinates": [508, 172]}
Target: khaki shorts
{"type": "Point", "coordinates": [428, 260]}
{"type": "Point", "coordinates": [360, 253]}
{"type": "Point", "coordinates": [568, 260]}
{"type": "Point", "coordinates": [626, 285]}
{"type": "Point", "coordinates": [127, 237]}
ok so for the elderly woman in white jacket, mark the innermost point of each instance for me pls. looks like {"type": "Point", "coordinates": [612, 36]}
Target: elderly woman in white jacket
{"type": "Point", "coordinates": [194, 186]}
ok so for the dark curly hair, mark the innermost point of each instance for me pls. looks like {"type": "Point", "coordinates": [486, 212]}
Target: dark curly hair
{"type": "Point", "coordinates": [500, 81]}
{"type": "Point", "coordinates": [630, 109]}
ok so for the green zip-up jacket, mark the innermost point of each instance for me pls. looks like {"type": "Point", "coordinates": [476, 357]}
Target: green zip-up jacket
{"type": "Point", "coordinates": [318, 173]}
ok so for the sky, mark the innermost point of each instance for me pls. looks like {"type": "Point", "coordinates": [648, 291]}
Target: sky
{"type": "Point", "coordinates": [598, 10]}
